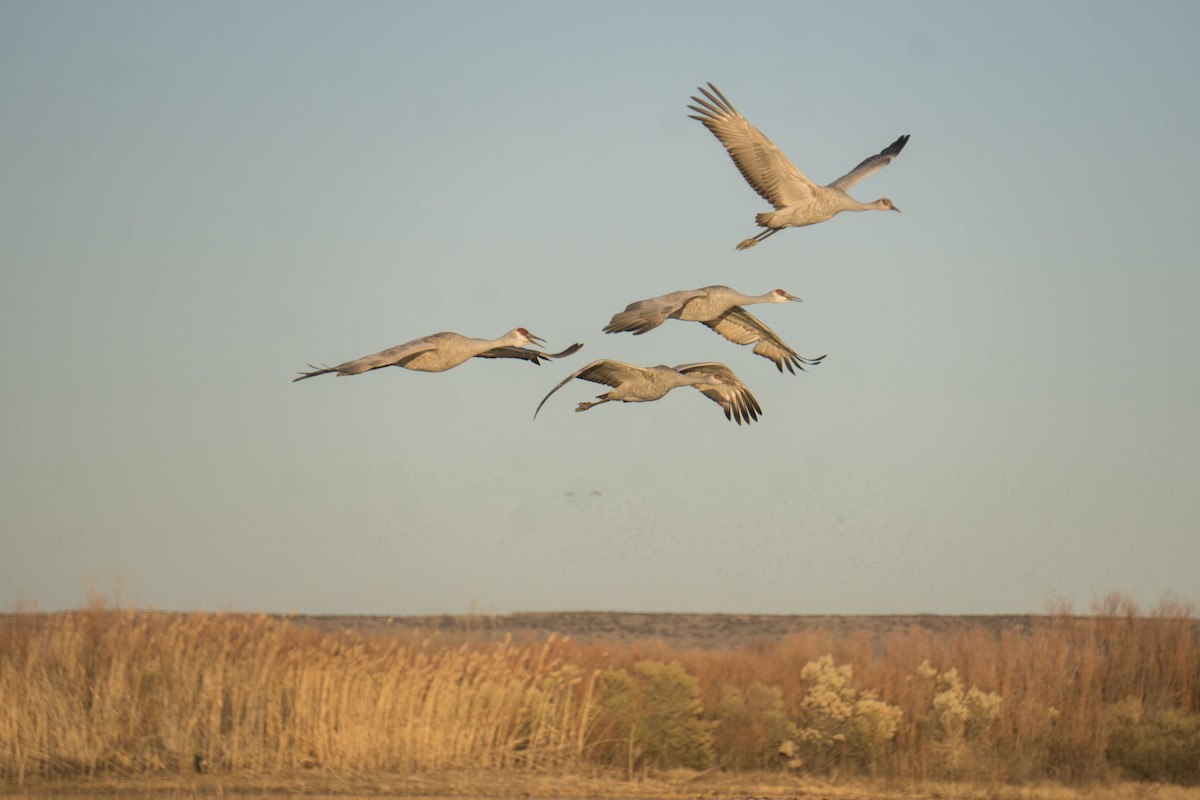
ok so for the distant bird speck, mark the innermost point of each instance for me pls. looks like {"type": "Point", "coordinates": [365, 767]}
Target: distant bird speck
{"type": "Point", "coordinates": [720, 308]}
{"type": "Point", "coordinates": [797, 200]}
{"type": "Point", "coordinates": [439, 352]}
{"type": "Point", "coordinates": [634, 384]}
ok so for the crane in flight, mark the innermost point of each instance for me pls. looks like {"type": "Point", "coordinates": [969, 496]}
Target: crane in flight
{"type": "Point", "coordinates": [439, 352]}
{"type": "Point", "coordinates": [797, 200]}
{"type": "Point", "coordinates": [634, 384]}
{"type": "Point", "coordinates": [720, 308]}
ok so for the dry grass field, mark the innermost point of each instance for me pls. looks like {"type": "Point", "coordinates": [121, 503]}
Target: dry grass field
{"type": "Point", "coordinates": [605, 704]}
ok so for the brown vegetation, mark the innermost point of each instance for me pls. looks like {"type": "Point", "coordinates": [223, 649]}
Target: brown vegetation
{"type": "Point", "coordinates": [125, 693]}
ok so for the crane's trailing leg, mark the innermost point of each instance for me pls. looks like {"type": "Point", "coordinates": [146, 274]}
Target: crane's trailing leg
{"type": "Point", "coordinates": [586, 406]}
{"type": "Point", "coordinates": [745, 244]}
{"type": "Point", "coordinates": [315, 371]}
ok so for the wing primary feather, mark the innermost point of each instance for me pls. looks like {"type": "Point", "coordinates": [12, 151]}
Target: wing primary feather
{"type": "Point", "coordinates": [722, 97]}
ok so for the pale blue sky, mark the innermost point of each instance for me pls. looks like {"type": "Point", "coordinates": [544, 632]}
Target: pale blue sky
{"type": "Point", "coordinates": [200, 198]}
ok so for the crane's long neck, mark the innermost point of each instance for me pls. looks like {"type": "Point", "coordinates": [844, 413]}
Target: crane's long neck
{"type": "Point", "coordinates": [510, 339]}
{"type": "Point", "coordinates": [842, 201]}
{"type": "Point", "coordinates": [874, 205]}
{"type": "Point", "coordinates": [769, 297]}
{"type": "Point", "coordinates": [458, 349]}
{"type": "Point", "coordinates": [735, 298]}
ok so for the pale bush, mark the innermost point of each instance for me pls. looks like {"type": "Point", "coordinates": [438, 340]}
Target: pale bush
{"type": "Point", "coordinates": [956, 722]}
{"type": "Point", "coordinates": [840, 725]}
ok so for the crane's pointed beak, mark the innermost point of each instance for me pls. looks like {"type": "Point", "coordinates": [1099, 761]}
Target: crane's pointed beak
{"type": "Point", "coordinates": [539, 341]}
{"type": "Point", "coordinates": [895, 209]}
{"type": "Point", "coordinates": [795, 299]}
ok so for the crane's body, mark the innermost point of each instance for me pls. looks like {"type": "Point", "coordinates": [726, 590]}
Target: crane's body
{"type": "Point", "coordinates": [633, 384]}
{"type": "Point", "coordinates": [797, 200]}
{"type": "Point", "coordinates": [439, 352]}
{"type": "Point", "coordinates": [720, 308]}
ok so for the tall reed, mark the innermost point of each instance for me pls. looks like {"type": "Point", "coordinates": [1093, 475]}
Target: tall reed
{"type": "Point", "coordinates": [131, 691]}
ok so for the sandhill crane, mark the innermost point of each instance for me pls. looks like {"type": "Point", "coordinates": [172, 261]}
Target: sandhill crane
{"type": "Point", "coordinates": [439, 352]}
{"type": "Point", "coordinates": [797, 200]}
{"type": "Point", "coordinates": [634, 384]}
{"type": "Point", "coordinates": [720, 308]}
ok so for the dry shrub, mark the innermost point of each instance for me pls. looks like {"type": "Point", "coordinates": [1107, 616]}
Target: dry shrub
{"type": "Point", "coordinates": [651, 718]}
{"type": "Point", "coordinates": [1159, 746]}
{"type": "Point", "coordinates": [753, 732]}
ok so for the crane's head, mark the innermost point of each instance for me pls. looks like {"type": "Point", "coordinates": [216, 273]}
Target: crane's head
{"type": "Point", "coordinates": [884, 204]}
{"type": "Point", "coordinates": [523, 337]}
{"type": "Point", "coordinates": [780, 296]}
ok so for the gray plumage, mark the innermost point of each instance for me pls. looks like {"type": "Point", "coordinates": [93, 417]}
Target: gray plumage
{"type": "Point", "coordinates": [634, 384]}
{"type": "Point", "coordinates": [797, 200]}
{"type": "Point", "coordinates": [439, 352]}
{"type": "Point", "coordinates": [720, 308]}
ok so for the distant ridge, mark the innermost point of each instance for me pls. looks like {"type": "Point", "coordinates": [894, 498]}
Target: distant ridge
{"type": "Point", "coordinates": [703, 631]}
{"type": "Point", "coordinates": [693, 630]}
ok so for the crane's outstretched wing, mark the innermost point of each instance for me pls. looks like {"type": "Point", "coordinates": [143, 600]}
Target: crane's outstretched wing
{"type": "Point", "coordinates": [646, 315]}
{"type": "Point", "coordinates": [536, 356]}
{"type": "Point", "coordinates": [729, 393]}
{"type": "Point", "coordinates": [740, 326]}
{"type": "Point", "coordinates": [604, 370]}
{"type": "Point", "coordinates": [764, 166]}
{"type": "Point", "coordinates": [396, 356]}
{"type": "Point", "coordinates": [871, 165]}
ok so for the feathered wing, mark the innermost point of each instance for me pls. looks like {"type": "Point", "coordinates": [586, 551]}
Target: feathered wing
{"type": "Point", "coordinates": [396, 356]}
{"type": "Point", "coordinates": [871, 165]}
{"type": "Point", "coordinates": [536, 356]}
{"type": "Point", "coordinates": [741, 327]}
{"type": "Point", "coordinates": [646, 315]}
{"type": "Point", "coordinates": [764, 166]}
{"type": "Point", "coordinates": [604, 370]}
{"type": "Point", "coordinates": [733, 397]}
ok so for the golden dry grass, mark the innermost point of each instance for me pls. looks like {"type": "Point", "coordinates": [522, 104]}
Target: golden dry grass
{"type": "Point", "coordinates": [131, 692]}
{"type": "Point", "coordinates": [210, 702]}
